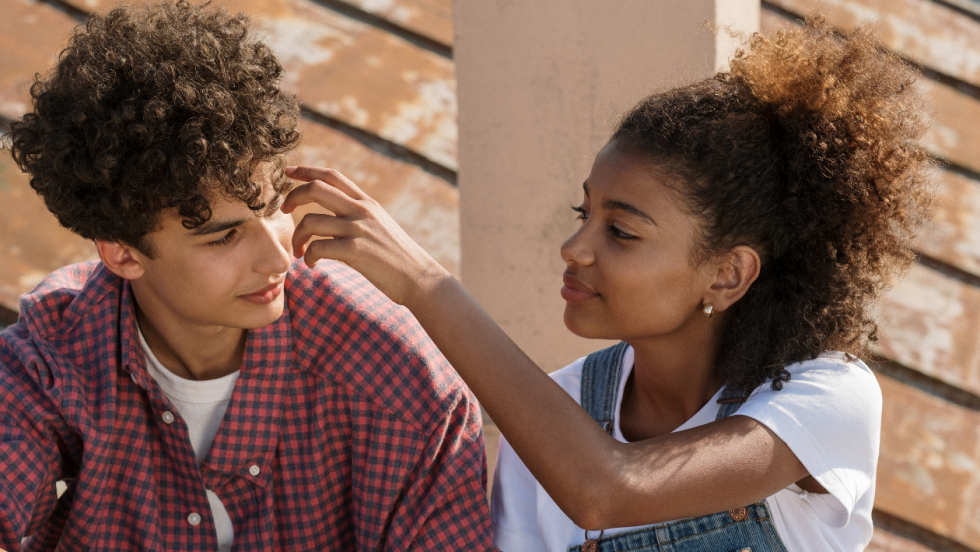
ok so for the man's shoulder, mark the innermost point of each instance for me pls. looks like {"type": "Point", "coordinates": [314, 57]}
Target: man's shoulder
{"type": "Point", "coordinates": [65, 298]}
{"type": "Point", "coordinates": [64, 315]}
{"type": "Point", "coordinates": [346, 330]}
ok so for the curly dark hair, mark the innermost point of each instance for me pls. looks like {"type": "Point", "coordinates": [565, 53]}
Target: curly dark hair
{"type": "Point", "coordinates": [807, 151]}
{"type": "Point", "coordinates": [152, 108]}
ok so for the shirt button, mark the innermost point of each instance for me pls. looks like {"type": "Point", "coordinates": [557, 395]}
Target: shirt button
{"type": "Point", "coordinates": [255, 470]}
{"type": "Point", "coordinates": [168, 418]}
{"type": "Point", "coordinates": [194, 519]}
{"type": "Point", "coordinates": [132, 376]}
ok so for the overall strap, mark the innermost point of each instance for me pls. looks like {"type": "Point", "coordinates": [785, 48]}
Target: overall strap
{"type": "Point", "coordinates": [730, 401]}
{"type": "Point", "coordinates": [600, 384]}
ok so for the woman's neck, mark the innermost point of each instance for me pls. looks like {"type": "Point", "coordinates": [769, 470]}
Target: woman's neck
{"type": "Point", "coordinates": [673, 378]}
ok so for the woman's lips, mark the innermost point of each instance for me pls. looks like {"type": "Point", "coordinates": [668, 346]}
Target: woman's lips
{"type": "Point", "coordinates": [575, 291]}
{"type": "Point", "coordinates": [265, 295]}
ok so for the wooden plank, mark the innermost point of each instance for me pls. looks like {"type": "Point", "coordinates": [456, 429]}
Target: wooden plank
{"type": "Point", "coordinates": [883, 541]}
{"type": "Point", "coordinates": [366, 77]}
{"type": "Point", "coordinates": [425, 205]}
{"type": "Point", "coordinates": [430, 18]}
{"type": "Point", "coordinates": [31, 35]}
{"type": "Point", "coordinates": [356, 73]}
{"type": "Point", "coordinates": [953, 234]}
{"type": "Point", "coordinates": [954, 134]}
{"type": "Point", "coordinates": [931, 322]}
{"type": "Point", "coordinates": [926, 32]}
{"type": "Point", "coordinates": [929, 466]}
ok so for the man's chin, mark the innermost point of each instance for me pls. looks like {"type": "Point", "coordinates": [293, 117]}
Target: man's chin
{"type": "Point", "coordinates": [255, 321]}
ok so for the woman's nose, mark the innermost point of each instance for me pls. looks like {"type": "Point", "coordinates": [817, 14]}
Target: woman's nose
{"type": "Point", "coordinates": [577, 249]}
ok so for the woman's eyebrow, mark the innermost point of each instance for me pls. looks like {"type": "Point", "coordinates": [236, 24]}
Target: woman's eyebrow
{"type": "Point", "coordinates": [613, 204]}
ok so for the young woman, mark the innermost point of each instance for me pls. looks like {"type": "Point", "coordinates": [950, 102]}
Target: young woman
{"type": "Point", "coordinates": [735, 234]}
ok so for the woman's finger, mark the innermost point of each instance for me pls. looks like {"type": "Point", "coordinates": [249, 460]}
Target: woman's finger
{"type": "Point", "coordinates": [316, 224]}
{"type": "Point", "coordinates": [321, 193]}
{"type": "Point", "coordinates": [330, 176]}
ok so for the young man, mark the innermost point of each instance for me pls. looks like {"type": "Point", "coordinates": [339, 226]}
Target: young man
{"type": "Point", "coordinates": [196, 389]}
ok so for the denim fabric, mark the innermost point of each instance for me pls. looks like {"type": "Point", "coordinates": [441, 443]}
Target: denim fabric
{"type": "Point", "coordinates": [748, 529]}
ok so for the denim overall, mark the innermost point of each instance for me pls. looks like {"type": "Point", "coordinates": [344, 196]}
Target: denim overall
{"type": "Point", "coordinates": [748, 529]}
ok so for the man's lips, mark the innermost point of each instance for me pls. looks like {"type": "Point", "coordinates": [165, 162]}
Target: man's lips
{"type": "Point", "coordinates": [575, 290]}
{"type": "Point", "coordinates": [264, 295]}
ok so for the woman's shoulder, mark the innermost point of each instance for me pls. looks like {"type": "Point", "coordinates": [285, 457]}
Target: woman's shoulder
{"type": "Point", "coordinates": [834, 385]}
{"type": "Point", "coordinates": [832, 374]}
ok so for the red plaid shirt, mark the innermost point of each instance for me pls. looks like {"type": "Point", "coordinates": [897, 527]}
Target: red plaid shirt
{"type": "Point", "coordinates": [347, 430]}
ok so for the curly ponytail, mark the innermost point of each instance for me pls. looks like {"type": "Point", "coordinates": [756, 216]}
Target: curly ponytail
{"type": "Point", "coordinates": [807, 151]}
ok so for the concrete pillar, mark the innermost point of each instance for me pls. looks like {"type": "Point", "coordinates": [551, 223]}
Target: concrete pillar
{"type": "Point", "coordinates": [541, 84]}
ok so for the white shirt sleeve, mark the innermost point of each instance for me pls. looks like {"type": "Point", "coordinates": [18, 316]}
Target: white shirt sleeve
{"type": "Point", "coordinates": [513, 504]}
{"type": "Point", "coordinates": [829, 414]}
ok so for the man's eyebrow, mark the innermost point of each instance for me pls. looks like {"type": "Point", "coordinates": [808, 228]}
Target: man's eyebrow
{"type": "Point", "coordinates": [215, 226]}
{"type": "Point", "coordinates": [273, 206]}
{"type": "Point", "coordinates": [585, 188]}
{"type": "Point", "coordinates": [612, 204]}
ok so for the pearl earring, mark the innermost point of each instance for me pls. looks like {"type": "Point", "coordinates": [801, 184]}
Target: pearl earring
{"type": "Point", "coordinates": [708, 310]}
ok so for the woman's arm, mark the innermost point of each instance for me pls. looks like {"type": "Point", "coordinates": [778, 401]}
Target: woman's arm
{"type": "Point", "coordinates": [597, 481]}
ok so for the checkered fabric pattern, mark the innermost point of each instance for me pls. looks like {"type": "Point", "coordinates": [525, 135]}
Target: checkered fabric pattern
{"type": "Point", "coordinates": [347, 430]}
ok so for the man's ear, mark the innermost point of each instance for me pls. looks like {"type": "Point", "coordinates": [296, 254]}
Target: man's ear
{"type": "Point", "coordinates": [737, 270]}
{"type": "Point", "coordinates": [122, 260]}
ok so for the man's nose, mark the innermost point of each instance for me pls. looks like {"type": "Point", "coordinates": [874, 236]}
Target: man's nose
{"type": "Point", "coordinates": [275, 256]}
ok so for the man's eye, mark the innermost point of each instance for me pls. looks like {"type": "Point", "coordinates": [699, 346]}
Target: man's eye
{"type": "Point", "coordinates": [582, 214]}
{"type": "Point", "coordinates": [224, 239]}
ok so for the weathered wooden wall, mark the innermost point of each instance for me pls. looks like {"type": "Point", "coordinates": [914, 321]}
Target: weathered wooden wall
{"type": "Point", "coordinates": [929, 470]}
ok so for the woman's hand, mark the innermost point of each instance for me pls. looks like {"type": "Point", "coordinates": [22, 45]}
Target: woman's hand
{"type": "Point", "coordinates": [359, 233]}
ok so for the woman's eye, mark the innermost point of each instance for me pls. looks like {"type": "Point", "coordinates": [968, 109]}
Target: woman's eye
{"type": "Point", "coordinates": [619, 234]}
{"type": "Point", "coordinates": [224, 239]}
{"type": "Point", "coordinates": [582, 214]}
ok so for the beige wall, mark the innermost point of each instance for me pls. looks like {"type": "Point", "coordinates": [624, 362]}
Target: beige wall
{"type": "Point", "coordinates": [540, 84]}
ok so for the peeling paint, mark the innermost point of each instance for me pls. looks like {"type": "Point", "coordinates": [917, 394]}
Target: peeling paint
{"type": "Point", "coordinates": [917, 317]}
{"type": "Point", "coordinates": [953, 234]}
{"type": "Point", "coordinates": [435, 224]}
{"type": "Point", "coordinates": [298, 41]}
{"type": "Point", "coordinates": [431, 18]}
{"type": "Point", "coordinates": [426, 117]}
{"type": "Point", "coordinates": [927, 470]}
{"type": "Point", "coordinates": [927, 32]}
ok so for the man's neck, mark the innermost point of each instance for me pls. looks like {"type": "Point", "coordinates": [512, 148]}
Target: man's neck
{"type": "Point", "coordinates": [191, 352]}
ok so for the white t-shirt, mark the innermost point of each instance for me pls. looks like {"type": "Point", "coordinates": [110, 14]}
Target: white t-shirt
{"type": "Point", "coordinates": [202, 405]}
{"type": "Point", "coordinates": [829, 415]}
